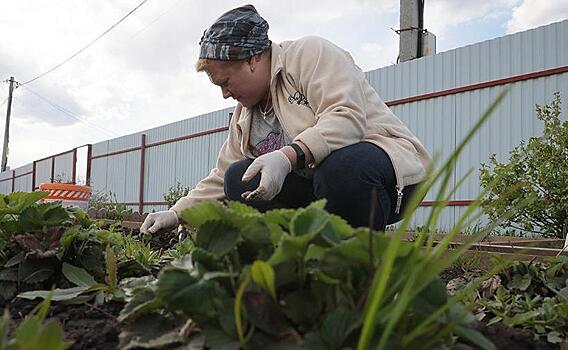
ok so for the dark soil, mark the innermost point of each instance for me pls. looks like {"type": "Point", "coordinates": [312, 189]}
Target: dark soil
{"type": "Point", "coordinates": [88, 326]}
{"type": "Point", "coordinates": [450, 273]}
{"type": "Point", "coordinates": [95, 327]}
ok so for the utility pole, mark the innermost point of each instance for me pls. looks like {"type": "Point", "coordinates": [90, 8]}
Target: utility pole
{"type": "Point", "coordinates": [7, 128]}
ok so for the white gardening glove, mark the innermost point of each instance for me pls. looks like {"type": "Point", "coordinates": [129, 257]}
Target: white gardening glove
{"type": "Point", "coordinates": [273, 168]}
{"type": "Point", "coordinates": [159, 220]}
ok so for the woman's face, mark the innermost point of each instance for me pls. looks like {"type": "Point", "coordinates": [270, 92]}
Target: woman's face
{"type": "Point", "coordinates": [246, 81]}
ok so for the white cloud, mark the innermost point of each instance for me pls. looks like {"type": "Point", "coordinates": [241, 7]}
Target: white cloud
{"type": "Point", "coordinates": [141, 74]}
{"type": "Point", "coordinates": [444, 15]}
{"type": "Point", "coordinates": [534, 13]}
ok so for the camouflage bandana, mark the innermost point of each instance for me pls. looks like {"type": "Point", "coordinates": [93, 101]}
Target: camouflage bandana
{"type": "Point", "coordinates": [238, 34]}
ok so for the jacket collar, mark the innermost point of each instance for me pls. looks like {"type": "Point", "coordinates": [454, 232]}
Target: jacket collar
{"type": "Point", "coordinates": [276, 63]}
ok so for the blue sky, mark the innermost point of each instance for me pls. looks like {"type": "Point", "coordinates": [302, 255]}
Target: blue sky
{"type": "Point", "coordinates": [141, 74]}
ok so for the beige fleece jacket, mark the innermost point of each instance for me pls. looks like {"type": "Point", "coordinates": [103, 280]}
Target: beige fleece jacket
{"type": "Point", "coordinates": [321, 98]}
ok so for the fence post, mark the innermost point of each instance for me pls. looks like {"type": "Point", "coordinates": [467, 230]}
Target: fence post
{"type": "Point", "coordinates": [33, 175]}
{"type": "Point", "coordinates": [52, 169]}
{"type": "Point", "coordinates": [89, 160]}
{"type": "Point", "coordinates": [74, 176]}
{"type": "Point", "coordinates": [13, 180]}
{"type": "Point", "coordinates": [142, 165]}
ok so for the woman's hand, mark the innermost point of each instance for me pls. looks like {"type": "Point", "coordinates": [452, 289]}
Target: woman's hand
{"type": "Point", "coordinates": [273, 168]}
{"type": "Point", "coordinates": [160, 220]}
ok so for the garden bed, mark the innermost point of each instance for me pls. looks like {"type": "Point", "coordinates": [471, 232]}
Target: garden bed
{"type": "Point", "coordinates": [118, 287]}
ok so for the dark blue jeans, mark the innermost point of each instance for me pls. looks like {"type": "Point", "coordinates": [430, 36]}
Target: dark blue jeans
{"type": "Point", "coordinates": [346, 178]}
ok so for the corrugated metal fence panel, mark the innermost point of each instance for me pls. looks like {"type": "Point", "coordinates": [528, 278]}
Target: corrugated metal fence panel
{"type": "Point", "coordinates": [6, 187]}
{"type": "Point", "coordinates": [428, 74]}
{"type": "Point", "coordinates": [132, 177]}
{"type": "Point", "coordinates": [64, 167]}
{"type": "Point", "coordinates": [208, 121]}
{"type": "Point", "coordinates": [116, 175]}
{"type": "Point", "coordinates": [43, 171]}
{"type": "Point", "coordinates": [100, 148]}
{"type": "Point", "coordinates": [6, 181]}
{"type": "Point", "coordinates": [99, 168]}
{"type": "Point", "coordinates": [22, 182]}
{"type": "Point", "coordinates": [159, 171]}
{"type": "Point", "coordinates": [124, 142]}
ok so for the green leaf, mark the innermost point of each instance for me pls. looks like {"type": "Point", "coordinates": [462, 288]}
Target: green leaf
{"type": "Point", "coordinates": [15, 260]}
{"type": "Point", "coordinates": [202, 212]}
{"type": "Point", "coordinates": [263, 275]}
{"type": "Point", "coordinates": [340, 226]}
{"type": "Point", "coordinates": [51, 337]}
{"type": "Point", "coordinates": [178, 290]}
{"type": "Point", "coordinates": [338, 325]}
{"type": "Point", "coordinates": [554, 337]}
{"type": "Point", "coordinates": [35, 271]}
{"type": "Point", "coordinates": [217, 237]}
{"type": "Point", "coordinates": [435, 293]}
{"type": "Point", "coordinates": [150, 331]}
{"type": "Point", "coordinates": [474, 337]}
{"type": "Point", "coordinates": [26, 333]}
{"type": "Point", "coordinates": [521, 282]}
{"type": "Point", "coordinates": [81, 216]}
{"type": "Point", "coordinates": [309, 221]}
{"type": "Point", "coordinates": [303, 307]}
{"type": "Point", "coordinates": [16, 202]}
{"type": "Point", "coordinates": [241, 208]}
{"type": "Point", "coordinates": [314, 252]}
{"type": "Point", "coordinates": [111, 268]}
{"type": "Point", "coordinates": [264, 312]}
{"type": "Point", "coordinates": [290, 248]}
{"type": "Point", "coordinates": [58, 294]}
{"type": "Point", "coordinates": [281, 217]}
{"type": "Point", "coordinates": [43, 215]}
{"type": "Point", "coordinates": [9, 274]}
{"type": "Point", "coordinates": [78, 276]}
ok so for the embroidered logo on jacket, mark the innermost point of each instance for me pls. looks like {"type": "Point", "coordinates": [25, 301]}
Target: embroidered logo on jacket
{"type": "Point", "coordinates": [298, 98]}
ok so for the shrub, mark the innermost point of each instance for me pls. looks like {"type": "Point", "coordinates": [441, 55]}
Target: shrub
{"type": "Point", "coordinates": [537, 168]}
{"type": "Point", "coordinates": [106, 205]}
{"type": "Point", "coordinates": [175, 193]}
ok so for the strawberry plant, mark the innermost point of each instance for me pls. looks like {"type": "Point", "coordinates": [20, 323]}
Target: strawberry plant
{"type": "Point", "coordinates": [37, 239]}
{"type": "Point", "coordinates": [530, 295]}
{"type": "Point", "coordinates": [305, 278]}
{"type": "Point", "coordinates": [30, 234]}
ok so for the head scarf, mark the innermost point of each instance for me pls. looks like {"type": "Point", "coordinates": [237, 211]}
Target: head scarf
{"type": "Point", "coordinates": [238, 34]}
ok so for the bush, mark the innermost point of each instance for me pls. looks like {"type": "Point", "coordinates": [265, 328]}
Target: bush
{"type": "Point", "coordinates": [175, 193]}
{"type": "Point", "coordinates": [107, 206]}
{"type": "Point", "coordinates": [536, 168]}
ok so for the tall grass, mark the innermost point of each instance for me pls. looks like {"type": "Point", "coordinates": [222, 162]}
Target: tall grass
{"type": "Point", "coordinates": [422, 268]}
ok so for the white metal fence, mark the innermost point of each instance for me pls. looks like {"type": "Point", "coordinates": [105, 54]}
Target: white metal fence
{"type": "Point", "coordinates": [439, 97]}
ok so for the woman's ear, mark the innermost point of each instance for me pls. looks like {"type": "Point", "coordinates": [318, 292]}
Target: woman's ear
{"type": "Point", "coordinates": [253, 61]}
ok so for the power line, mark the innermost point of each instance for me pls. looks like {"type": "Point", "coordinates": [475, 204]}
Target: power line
{"type": "Point", "coordinates": [155, 19]}
{"type": "Point", "coordinates": [70, 114]}
{"type": "Point", "coordinates": [86, 46]}
{"type": "Point", "coordinates": [6, 100]}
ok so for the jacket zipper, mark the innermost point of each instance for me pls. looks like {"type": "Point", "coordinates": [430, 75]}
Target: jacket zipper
{"type": "Point", "coordinates": [399, 195]}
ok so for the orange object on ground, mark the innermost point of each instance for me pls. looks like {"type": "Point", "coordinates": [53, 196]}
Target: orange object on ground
{"type": "Point", "coordinates": [69, 194]}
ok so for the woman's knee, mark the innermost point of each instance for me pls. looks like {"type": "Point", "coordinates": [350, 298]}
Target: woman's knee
{"type": "Point", "coordinates": [353, 171]}
{"type": "Point", "coordinates": [233, 185]}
